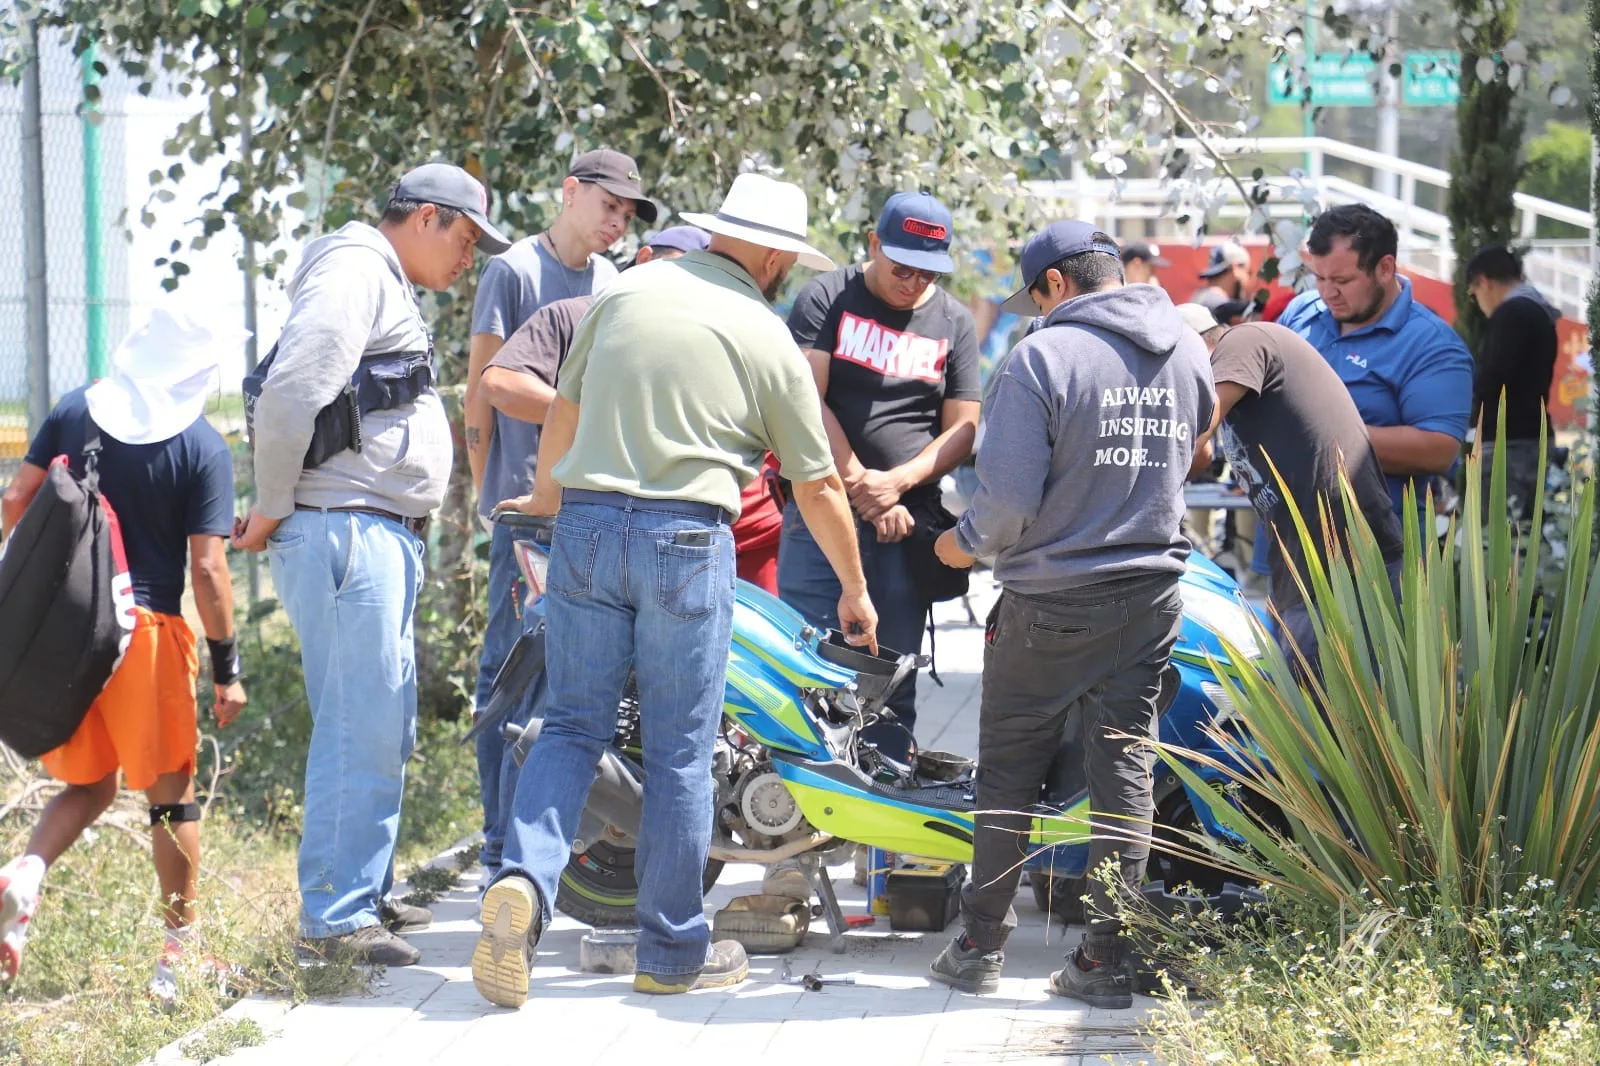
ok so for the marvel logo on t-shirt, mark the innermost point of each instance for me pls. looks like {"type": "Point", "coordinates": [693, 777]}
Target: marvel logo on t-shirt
{"type": "Point", "coordinates": [890, 370]}
{"type": "Point", "coordinates": [891, 353]}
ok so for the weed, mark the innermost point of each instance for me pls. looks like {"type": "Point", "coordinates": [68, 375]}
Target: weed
{"type": "Point", "coordinates": [428, 883]}
{"type": "Point", "coordinates": [223, 1038]}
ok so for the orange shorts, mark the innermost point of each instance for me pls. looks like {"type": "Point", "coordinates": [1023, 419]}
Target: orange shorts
{"type": "Point", "coordinates": [144, 721]}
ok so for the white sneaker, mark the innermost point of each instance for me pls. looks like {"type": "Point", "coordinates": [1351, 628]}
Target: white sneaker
{"type": "Point", "coordinates": [19, 898]}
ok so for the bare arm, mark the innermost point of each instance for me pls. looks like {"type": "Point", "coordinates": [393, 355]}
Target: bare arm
{"type": "Point", "coordinates": [479, 416]}
{"type": "Point", "coordinates": [19, 494]}
{"type": "Point", "coordinates": [213, 585]}
{"type": "Point", "coordinates": [554, 443]}
{"type": "Point", "coordinates": [517, 395]}
{"type": "Point", "coordinates": [1228, 394]}
{"type": "Point", "coordinates": [213, 598]}
{"type": "Point", "coordinates": [826, 511]}
{"type": "Point", "coordinates": [959, 428]}
{"type": "Point", "coordinates": [844, 456]}
{"type": "Point", "coordinates": [1407, 450]}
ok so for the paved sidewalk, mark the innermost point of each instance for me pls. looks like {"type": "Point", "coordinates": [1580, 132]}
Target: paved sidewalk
{"type": "Point", "coordinates": [432, 1014]}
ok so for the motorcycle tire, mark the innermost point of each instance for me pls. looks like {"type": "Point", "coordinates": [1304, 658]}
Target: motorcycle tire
{"type": "Point", "coordinates": [599, 887]}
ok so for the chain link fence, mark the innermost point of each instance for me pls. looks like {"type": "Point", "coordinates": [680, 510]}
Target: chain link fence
{"type": "Point", "coordinates": [86, 247]}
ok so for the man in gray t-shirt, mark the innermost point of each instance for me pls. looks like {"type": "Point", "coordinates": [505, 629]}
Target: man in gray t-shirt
{"type": "Point", "coordinates": [1281, 406]}
{"type": "Point", "coordinates": [600, 196]}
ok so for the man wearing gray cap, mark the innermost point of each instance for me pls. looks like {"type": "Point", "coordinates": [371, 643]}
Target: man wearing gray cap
{"type": "Point", "coordinates": [352, 453]}
{"type": "Point", "coordinates": [1090, 432]}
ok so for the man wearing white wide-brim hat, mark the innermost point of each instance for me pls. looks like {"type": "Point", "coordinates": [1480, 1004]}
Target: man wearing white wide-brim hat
{"type": "Point", "coordinates": [680, 379]}
{"type": "Point", "coordinates": [168, 476]}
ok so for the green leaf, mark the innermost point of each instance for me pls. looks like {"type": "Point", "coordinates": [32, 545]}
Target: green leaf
{"type": "Point", "coordinates": [256, 17]}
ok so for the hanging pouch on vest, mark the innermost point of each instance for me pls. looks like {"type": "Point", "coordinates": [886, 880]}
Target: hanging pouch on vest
{"type": "Point", "coordinates": [380, 383]}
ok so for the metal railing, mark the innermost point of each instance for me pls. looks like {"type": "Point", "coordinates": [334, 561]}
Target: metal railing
{"type": "Point", "coordinates": [1562, 269]}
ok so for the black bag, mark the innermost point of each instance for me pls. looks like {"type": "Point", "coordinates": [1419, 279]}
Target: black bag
{"type": "Point", "coordinates": [380, 383]}
{"type": "Point", "coordinates": [66, 607]}
{"type": "Point", "coordinates": [937, 581]}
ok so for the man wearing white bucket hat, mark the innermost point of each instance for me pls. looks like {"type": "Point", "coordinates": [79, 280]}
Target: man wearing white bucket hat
{"type": "Point", "coordinates": [680, 379]}
{"type": "Point", "coordinates": [168, 476]}
{"type": "Point", "coordinates": [352, 453]}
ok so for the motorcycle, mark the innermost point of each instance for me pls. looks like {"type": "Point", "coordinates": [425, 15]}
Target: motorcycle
{"type": "Point", "coordinates": [794, 778]}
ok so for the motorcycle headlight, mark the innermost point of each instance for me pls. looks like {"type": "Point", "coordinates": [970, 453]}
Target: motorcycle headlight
{"type": "Point", "coordinates": [1224, 616]}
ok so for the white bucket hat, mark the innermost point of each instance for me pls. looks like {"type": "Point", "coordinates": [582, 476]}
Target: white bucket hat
{"type": "Point", "coordinates": [160, 380]}
{"type": "Point", "coordinates": [764, 212]}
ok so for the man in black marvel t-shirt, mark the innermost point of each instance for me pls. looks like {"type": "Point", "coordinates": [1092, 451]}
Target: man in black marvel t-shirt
{"type": "Point", "coordinates": [896, 363]}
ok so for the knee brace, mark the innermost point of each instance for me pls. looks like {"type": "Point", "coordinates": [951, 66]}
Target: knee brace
{"type": "Point", "coordinates": [167, 813]}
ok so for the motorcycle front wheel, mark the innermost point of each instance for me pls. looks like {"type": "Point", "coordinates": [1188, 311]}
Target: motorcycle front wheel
{"type": "Point", "coordinates": [600, 887]}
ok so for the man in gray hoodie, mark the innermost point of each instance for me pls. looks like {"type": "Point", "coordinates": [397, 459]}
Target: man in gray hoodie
{"type": "Point", "coordinates": [352, 452]}
{"type": "Point", "coordinates": [1089, 434]}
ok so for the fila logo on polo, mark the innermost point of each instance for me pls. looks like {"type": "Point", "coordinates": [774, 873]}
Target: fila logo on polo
{"type": "Point", "coordinates": [1356, 359]}
{"type": "Point", "coordinates": [890, 352]}
{"type": "Point", "coordinates": [929, 230]}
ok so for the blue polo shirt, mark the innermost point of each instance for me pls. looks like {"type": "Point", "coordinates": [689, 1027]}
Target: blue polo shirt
{"type": "Point", "coordinates": [1409, 368]}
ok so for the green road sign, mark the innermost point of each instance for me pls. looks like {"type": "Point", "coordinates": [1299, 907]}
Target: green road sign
{"type": "Point", "coordinates": [1432, 79]}
{"type": "Point", "coordinates": [1336, 81]}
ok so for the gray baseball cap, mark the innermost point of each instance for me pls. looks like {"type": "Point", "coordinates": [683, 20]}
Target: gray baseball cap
{"type": "Point", "coordinates": [447, 185]}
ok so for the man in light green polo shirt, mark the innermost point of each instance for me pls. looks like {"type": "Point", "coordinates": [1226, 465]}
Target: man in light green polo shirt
{"type": "Point", "coordinates": [680, 379]}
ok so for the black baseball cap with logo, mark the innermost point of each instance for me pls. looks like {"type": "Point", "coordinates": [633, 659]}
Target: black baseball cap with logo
{"type": "Point", "coordinates": [617, 174]}
{"type": "Point", "coordinates": [447, 185]}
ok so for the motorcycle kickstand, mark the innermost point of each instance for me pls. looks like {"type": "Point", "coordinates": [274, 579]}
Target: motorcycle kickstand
{"type": "Point", "coordinates": [817, 874]}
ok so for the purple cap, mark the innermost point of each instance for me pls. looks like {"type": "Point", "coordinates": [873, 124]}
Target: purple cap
{"type": "Point", "coordinates": [679, 238]}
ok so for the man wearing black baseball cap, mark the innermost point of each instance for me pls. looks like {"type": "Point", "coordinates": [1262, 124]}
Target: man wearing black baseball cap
{"type": "Point", "coordinates": [895, 359]}
{"type": "Point", "coordinates": [600, 196]}
{"type": "Point", "coordinates": [350, 497]}
{"type": "Point", "coordinates": [1090, 430]}
{"type": "Point", "coordinates": [1139, 262]}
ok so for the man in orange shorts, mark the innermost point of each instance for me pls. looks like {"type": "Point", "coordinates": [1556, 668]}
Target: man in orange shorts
{"type": "Point", "coordinates": [169, 477]}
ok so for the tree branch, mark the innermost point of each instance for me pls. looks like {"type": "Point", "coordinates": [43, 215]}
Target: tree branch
{"type": "Point", "coordinates": [333, 112]}
{"type": "Point", "coordinates": [672, 108]}
{"type": "Point", "coordinates": [1177, 109]}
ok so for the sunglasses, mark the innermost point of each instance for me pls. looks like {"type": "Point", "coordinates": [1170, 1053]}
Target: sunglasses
{"type": "Point", "coordinates": [905, 273]}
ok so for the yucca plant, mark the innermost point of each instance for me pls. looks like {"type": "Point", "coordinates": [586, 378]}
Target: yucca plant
{"type": "Point", "coordinates": [1451, 745]}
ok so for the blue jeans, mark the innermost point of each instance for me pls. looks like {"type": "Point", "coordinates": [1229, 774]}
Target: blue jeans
{"type": "Point", "coordinates": [349, 583]}
{"type": "Point", "coordinates": [497, 771]}
{"type": "Point", "coordinates": [622, 595]}
{"type": "Point", "coordinates": [807, 583]}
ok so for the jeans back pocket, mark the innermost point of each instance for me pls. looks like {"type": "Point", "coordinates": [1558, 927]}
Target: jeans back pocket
{"type": "Point", "coordinates": [572, 553]}
{"type": "Point", "coordinates": [689, 585]}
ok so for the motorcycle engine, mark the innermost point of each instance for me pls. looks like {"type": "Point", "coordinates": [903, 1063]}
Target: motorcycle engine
{"type": "Point", "coordinates": [765, 805]}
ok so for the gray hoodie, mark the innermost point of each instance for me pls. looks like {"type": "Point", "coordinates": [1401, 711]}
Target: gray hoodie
{"type": "Point", "coordinates": [1088, 437]}
{"type": "Point", "coordinates": [349, 299]}
{"type": "Point", "coordinates": [1528, 292]}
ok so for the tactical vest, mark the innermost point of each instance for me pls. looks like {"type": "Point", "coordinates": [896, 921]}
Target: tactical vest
{"type": "Point", "coordinates": [381, 383]}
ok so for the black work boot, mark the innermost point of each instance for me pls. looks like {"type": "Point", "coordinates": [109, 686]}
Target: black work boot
{"type": "Point", "coordinates": [400, 917]}
{"type": "Point", "coordinates": [966, 967]}
{"type": "Point", "coordinates": [1108, 985]}
{"type": "Point", "coordinates": [512, 921]}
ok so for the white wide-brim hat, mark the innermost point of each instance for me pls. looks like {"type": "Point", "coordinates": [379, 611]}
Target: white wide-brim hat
{"type": "Point", "coordinates": [764, 212]}
{"type": "Point", "coordinates": [160, 379]}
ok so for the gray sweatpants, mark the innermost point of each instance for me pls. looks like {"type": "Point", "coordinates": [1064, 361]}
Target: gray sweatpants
{"type": "Point", "coordinates": [1098, 651]}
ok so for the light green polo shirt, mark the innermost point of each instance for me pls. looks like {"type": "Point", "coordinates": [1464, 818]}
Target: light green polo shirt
{"type": "Point", "coordinates": [685, 378]}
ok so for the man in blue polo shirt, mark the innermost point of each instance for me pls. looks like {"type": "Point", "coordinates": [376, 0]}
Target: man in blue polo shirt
{"type": "Point", "coordinates": [1406, 369]}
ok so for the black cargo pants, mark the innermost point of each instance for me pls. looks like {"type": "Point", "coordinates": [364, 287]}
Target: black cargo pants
{"type": "Point", "coordinates": [1098, 651]}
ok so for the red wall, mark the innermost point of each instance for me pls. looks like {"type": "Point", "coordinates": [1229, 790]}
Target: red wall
{"type": "Point", "coordinates": [1570, 384]}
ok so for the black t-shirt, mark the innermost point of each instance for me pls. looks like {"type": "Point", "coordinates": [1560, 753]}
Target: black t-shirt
{"type": "Point", "coordinates": [1297, 413]}
{"type": "Point", "coordinates": [1517, 357]}
{"type": "Point", "coordinates": [891, 370]}
{"type": "Point", "coordinates": [162, 493]}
